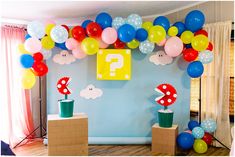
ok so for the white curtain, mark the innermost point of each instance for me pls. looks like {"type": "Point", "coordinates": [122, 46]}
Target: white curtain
{"type": "Point", "coordinates": [215, 81]}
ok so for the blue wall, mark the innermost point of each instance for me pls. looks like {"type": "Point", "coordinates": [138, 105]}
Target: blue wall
{"type": "Point", "coordinates": [127, 108]}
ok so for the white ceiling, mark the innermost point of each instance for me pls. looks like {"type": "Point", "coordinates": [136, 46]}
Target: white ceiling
{"type": "Point", "coordinates": [77, 11]}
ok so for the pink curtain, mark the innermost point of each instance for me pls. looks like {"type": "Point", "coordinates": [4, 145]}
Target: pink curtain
{"type": "Point", "coordinates": [16, 119]}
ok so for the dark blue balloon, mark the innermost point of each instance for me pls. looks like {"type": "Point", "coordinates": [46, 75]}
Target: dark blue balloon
{"type": "Point", "coordinates": [195, 69]}
{"type": "Point", "coordinates": [192, 124]}
{"type": "Point", "coordinates": [61, 45]}
{"type": "Point", "coordinates": [180, 26]}
{"type": "Point", "coordinates": [141, 34]}
{"type": "Point", "coordinates": [185, 140]}
{"type": "Point", "coordinates": [126, 33]}
{"type": "Point", "coordinates": [162, 21]}
{"type": "Point", "coordinates": [27, 36]}
{"type": "Point", "coordinates": [104, 20]}
{"type": "Point", "coordinates": [85, 23]}
{"type": "Point", "coordinates": [188, 46]}
{"type": "Point", "coordinates": [26, 60]}
{"type": "Point", "coordinates": [194, 20]}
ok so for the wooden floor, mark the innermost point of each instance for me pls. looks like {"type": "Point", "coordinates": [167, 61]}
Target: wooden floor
{"type": "Point", "coordinates": [36, 148]}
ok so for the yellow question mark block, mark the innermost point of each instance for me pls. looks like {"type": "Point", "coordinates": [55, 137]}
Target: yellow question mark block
{"type": "Point", "coordinates": [114, 64]}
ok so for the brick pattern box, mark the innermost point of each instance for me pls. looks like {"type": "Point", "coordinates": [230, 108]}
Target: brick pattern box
{"type": "Point", "coordinates": [68, 136]}
{"type": "Point", "coordinates": [164, 140]}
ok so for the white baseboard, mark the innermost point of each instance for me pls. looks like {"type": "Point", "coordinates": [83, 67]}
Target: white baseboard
{"type": "Point", "coordinates": [119, 140]}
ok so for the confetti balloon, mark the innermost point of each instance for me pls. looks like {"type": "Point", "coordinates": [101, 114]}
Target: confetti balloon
{"type": "Point", "coordinates": [36, 29]}
{"type": "Point", "coordinates": [134, 20]}
{"type": "Point", "coordinates": [59, 34]}
{"type": "Point", "coordinates": [46, 54]}
{"type": "Point", "coordinates": [198, 132]}
{"type": "Point", "coordinates": [146, 47]}
{"type": "Point", "coordinates": [118, 22]}
{"type": "Point", "coordinates": [209, 125]}
{"type": "Point", "coordinates": [206, 57]}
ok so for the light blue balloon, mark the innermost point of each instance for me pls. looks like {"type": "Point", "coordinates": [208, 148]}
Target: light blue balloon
{"type": "Point", "coordinates": [59, 34]}
{"type": "Point", "coordinates": [209, 125]}
{"type": "Point", "coordinates": [198, 132]}
{"type": "Point", "coordinates": [134, 20]}
{"type": "Point", "coordinates": [206, 56]}
{"type": "Point", "coordinates": [36, 29]}
{"type": "Point", "coordinates": [46, 54]}
{"type": "Point", "coordinates": [146, 47]}
{"type": "Point", "coordinates": [118, 22]}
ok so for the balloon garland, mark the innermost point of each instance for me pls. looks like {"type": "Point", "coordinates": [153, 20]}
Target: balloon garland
{"type": "Point", "coordinates": [188, 39]}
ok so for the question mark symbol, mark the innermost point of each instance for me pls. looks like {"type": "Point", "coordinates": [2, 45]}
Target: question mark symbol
{"type": "Point", "coordinates": [114, 65]}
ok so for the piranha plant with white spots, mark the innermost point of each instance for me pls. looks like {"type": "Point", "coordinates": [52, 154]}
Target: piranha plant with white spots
{"type": "Point", "coordinates": [168, 96]}
{"type": "Point", "coordinates": [62, 86]}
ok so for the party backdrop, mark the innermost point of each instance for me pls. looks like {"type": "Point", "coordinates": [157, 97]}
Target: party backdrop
{"type": "Point", "coordinates": [126, 110]}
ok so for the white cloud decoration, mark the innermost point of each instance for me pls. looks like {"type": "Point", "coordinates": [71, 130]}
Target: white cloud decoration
{"type": "Point", "coordinates": [91, 92]}
{"type": "Point", "coordinates": [64, 57]}
{"type": "Point", "coordinates": [160, 58]}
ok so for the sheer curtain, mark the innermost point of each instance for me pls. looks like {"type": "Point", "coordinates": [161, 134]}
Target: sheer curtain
{"type": "Point", "coordinates": [215, 81]}
{"type": "Point", "coordinates": [16, 118]}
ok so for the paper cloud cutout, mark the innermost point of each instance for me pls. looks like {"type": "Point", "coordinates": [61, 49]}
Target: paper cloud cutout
{"type": "Point", "coordinates": [160, 58]}
{"type": "Point", "coordinates": [90, 92]}
{"type": "Point", "coordinates": [64, 57]}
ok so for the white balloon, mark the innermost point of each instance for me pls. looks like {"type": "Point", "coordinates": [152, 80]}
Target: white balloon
{"type": "Point", "coordinates": [36, 29]}
{"type": "Point", "coordinates": [46, 54]}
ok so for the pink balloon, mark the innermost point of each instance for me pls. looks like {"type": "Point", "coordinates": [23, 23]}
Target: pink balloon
{"type": "Point", "coordinates": [78, 53]}
{"type": "Point", "coordinates": [102, 44]}
{"type": "Point", "coordinates": [162, 43]}
{"type": "Point", "coordinates": [32, 45]}
{"type": "Point", "coordinates": [188, 131]}
{"type": "Point", "coordinates": [174, 46]}
{"type": "Point", "coordinates": [49, 22]}
{"type": "Point", "coordinates": [71, 43]}
{"type": "Point", "coordinates": [109, 35]}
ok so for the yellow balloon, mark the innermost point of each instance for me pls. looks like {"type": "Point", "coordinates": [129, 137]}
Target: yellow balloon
{"type": "Point", "coordinates": [156, 34]}
{"type": "Point", "coordinates": [90, 46]}
{"type": "Point", "coordinates": [186, 37]}
{"type": "Point", "coordinates": [28, 79]}
{"type": "Point", "coordinates": [172, 31]}
{"type": "Point", "coordinates": [200, 146]}
{"type": "Point", "coordinates": [22, 50]}
{"type": "Point", "coordinates": [47, 43]}
{"type": "Point", "coordinates": [147, 25]}
{"type": "Point", "coordinates": [200, 42]}
{"type": "Point", "coordinates": [49, 28]}
{"type": "Point", "coordinates": [133, 44]}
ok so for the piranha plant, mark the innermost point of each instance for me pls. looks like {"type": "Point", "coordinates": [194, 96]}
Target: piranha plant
{"type": "Point", "coordinates": [168, 97]}
{"type": "Point", "coordinates": [65, 105]}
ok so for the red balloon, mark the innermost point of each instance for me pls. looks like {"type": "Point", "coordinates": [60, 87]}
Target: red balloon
{"type": "Point", "coordinates": [119, 44]}
{"type": "Point", "coordinates": [210, 46]}
{"type": "Point", "coordinates": [38, 56]}
{"type": "Point", "coordinates": [190, 54]}
{"type": "Point", "coordinates": [40, 68]}
{"type": "Point", "coordinates": [78, 33]}
{"type": "Point", "coordinates": [201, 31]}
{"type": "Point", "coordinates": [93, 29]}
{"type": "Point", "coordinates": [66, 27]}
{"type": "Point", "coordinates": [207, 138]}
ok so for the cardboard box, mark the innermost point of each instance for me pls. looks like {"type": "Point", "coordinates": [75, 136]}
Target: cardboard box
{"type": "Point", "coordinates": [68, 136]}
{"type": "Point", "coordinates": [164, 140]}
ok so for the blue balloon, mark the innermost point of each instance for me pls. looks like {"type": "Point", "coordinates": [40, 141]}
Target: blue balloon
{"type": "Point", "coordinates": [26, 60]}
{"type": "Point", "coordinates": [141, 34]}
{"type": "Point", "coordinates": [118, 22]}
{"type": "Point", "coordinates": [61, 45]}
{"type": "Point", "coordinates": [104, 20]}
{"type": "Point", "coordinates": [185, 140]}
{"type": "Point", "coordinates": [195, 69]}
{"type": "Point", "coordinates": [162, 21]}
{"type": "Point", "coordinates": [194, 20]}
{"type": "Point", "coordinates": [126, 33]}
{"type": "Point", "coordinates": [85, 23]}
{"type": "Point", "coordinates": [27, 36]}
{"type": "Point", "coordinates": [180, 26]}
{"type": "Point", "coordinates": [192, 124]}
{"type": "Point", "coordinates": [198, 132]}
{"type": "Point", "coordinates": [188, 46]}
{"type": "Point", "coordinates": [206, 57]}
{"type": "Point", "coordinates": [209, 125]}
{"type": "Point", "coordinates": [146, 47]}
